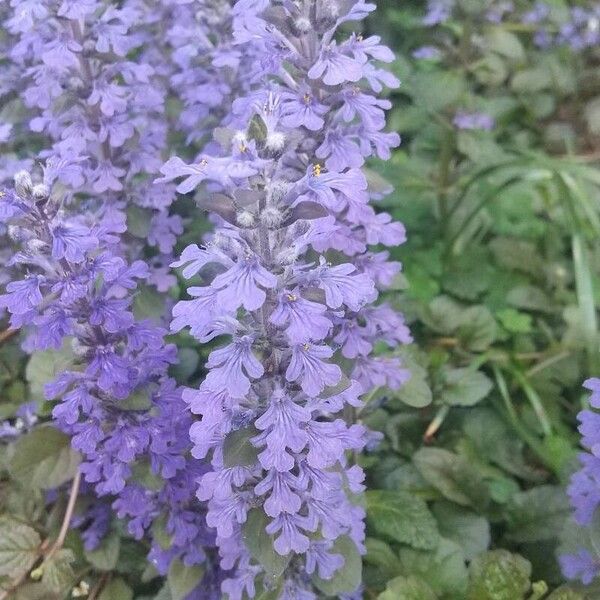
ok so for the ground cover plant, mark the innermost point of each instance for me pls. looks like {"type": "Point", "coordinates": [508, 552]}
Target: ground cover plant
{"type": "Point", "coordinates": [299, 299]}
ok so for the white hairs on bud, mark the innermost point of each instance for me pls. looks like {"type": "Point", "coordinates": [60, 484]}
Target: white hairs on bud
{"type": "Point", "coordinates": [245, 218]}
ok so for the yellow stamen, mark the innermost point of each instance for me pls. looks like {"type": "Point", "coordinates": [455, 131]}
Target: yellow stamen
{"type": "Point", "coordinates": [292, 297]}
{"type": "Point", "coordinates": [317, 170]}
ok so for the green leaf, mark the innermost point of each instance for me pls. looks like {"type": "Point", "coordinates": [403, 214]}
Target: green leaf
{"type": "Point", "coordinates": [416, 391]}
{"type": "Point", "coordinates": [116, 589]}
{"type": "Point", "coordinates": [238, 451]}
{"type": "Point", "coordinates": [566, 593]}
{"type": "Point", "coordinates": [257, 130]}
{"type": "Point", "coordinates": [182, 580]}
{"type": "Point", "coordinates": [494, 441]}
{"type": "Point", "coordinates": [531, 80]}
{"type": "Point", "coordinates": [537, 514]}
{"type": "Point", "coordinates": [470, 531]}
{"type": "Point", "coordinates": [346, 579]}
{"type": "Point", "coordinates": [44, 366]}
{"type": "Point", "coordinates": [105, 557]}
{"type": "Point", "coordinates": [187, 363]}
{"type": "Point", "coordinates": [499, 575]}
{"type": "Point", "coordinates": [407, 588]}
{"type": "Point", "coordinates": [379, 554]}
{"type": "Point", "coordinates": [142, 473]}
{"type": "Point", "coordinates": [44, 458]}
{"type": "Point", "coordinates": [138, 221]}
{"type": "Point", "coordinates": [452, 476]}
{"type": "Point", "coordinates": [505, 43]}
{"type": "Point", "coordinates": [442, 315]}
{"type": "Point", "coordinates": [477, 329]}
{"type": "Point", "coordinates": [148, 304]}
{"type": "Point", "coordinates": [529, 297]}
{"type": "Point", "coordinates": [444, 570]}
{"type": "Point", "coordinates": [514, 321]}
{"type": "Point", "coordinates": [464, 387]}
{"type": "Point", "coordinates": [402, 517]}
{"type": "Point", "coordinates": [435, 90]}
{"type": "Point", "coordinates": [260, 544]}
{"type": "Point", "coordinates": [58, 573]}
{"type": "Point", "coordinates": [139, 400]}
{"type": "Point", "coordinates": [19, 545]}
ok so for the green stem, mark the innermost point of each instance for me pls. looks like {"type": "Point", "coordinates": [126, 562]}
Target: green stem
{"type": "Point", "coordinates": [535, 401]}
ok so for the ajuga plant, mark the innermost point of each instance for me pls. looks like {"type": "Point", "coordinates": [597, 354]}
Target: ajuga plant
{"type": "Point", "coordinates": [94, 85]}
{"type": "Point", "coordinates": [584, 489]}
{"type": "Point", "coordinates": [289, 286]}
{"type": "Point", "coordinates": [124, 414]}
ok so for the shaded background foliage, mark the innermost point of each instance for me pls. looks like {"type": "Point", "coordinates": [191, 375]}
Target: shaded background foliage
{"type": "Point", "coordinates": [467, 489]}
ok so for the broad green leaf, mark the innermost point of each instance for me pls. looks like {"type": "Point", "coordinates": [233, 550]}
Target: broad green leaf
{"type": "Point", "coordinates": [480, 148]}
{"type": "Point", "coordinates": [505, 43]}
{"type": "Point", "coordinates": [491, 70]}
{"type": "Point", "coordinates": [58, 573]}
{"type": "Point", "coordinates": [415, 392]}
{"type": "Point", "coordinates": [453, 476]}
{"type": "Point", "coordinates": [238, 451]}
{"type": "Point", "coordinates": [514, 321]}
{"type": "Point", "coordinates": [116, 589]}
{"type": "Point", "coordinates": [19, 545]}
{"type": "Point", "coordinates": [436, 89]}
{"type": "Point", "coordinates": [494, 441]}
{"type": "Point", "coordinates": [443, 315]}
{"type": "Point", "coordinates": [43, 367]}
{"type": "Point", "coordinates": [477, 329]}
{"type": "Point", "coordinates": [444, 570]}
{"type": "Point", "coordinates": [346, 579]}
{"type": "Point", "coordinates": [470, 531]}
{"type": "Point", "coordinates": [531, 80]}
{"type": "Point", "coordinates": [106, 555]}
{"type": "Point", "coordinates": [407, 588]}
{"type": "Point", "coordinates": [44, 458]}
{"type": "Point", "coordinates": [260, 544]}
{"type": "Point", "coordinates": [182, 580]}
{"type": "Point", "coordinates": [537, 514]}
{"type": "Point", "coordinates": [464, 387]}
{"type": "Point", "coordinates": [380, 554]}
{"type": "Point", "coordinates": [529, 297]}
{"type": "Point", "coordinates": [566, 593]}
{"type": "Point", "coordinates": [499, 575]}
{"type": "Point", "coordinates": [402, 517]}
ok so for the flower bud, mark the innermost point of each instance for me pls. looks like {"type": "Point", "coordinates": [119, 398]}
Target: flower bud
{"type": "Point", "coordinates": [271, 217]}
{"type": "Point", "coordinates": [275, 141]}
{"type": "Point", "coordinates": [23, 183]}
{"type": "Point", "coordinates": [41, 191]}
{"type": "Point", "coordinates": [245, 219]}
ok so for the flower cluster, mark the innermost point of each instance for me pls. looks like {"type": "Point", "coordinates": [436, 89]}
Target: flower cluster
{"type": "Point", "coordinates": [580, 30]}
{"type": "Point", "coordinates": [101, 112]}
{"type": "Point", "coordinates": [584, 490]}
{"type": "Point", "coordinates": [288, 278]}
{"type": "Point", "coordinates": [124, 414]}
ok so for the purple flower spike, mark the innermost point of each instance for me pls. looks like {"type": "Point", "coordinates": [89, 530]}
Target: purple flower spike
{"type": "Point", "coordinates": [289, 200]}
